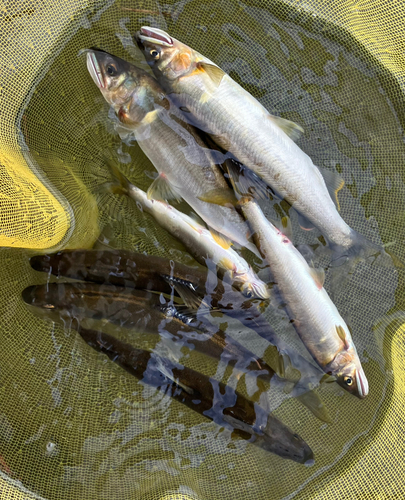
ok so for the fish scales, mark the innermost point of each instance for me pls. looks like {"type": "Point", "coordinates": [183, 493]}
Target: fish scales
{"type": "Point", "coordinates": [314, 316]}
{"type": "Point", "coordinates": [262, 142]}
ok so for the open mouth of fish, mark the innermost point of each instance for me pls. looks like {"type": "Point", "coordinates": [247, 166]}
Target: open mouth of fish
{"type": "Point", "coordinates": [94, 69]}
{"type": "Point", "coordinates": [154, 35]}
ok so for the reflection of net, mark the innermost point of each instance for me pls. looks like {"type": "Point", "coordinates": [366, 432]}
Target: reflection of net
{"type": "Point", "coordinates": [72, 426]}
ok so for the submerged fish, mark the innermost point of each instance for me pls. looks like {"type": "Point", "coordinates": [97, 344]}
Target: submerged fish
{"type": "Point", "coordinates": [263, 143]}
{"type": "Point", "coordinates": [121, 268]}
{"type": "Point", "coordinates": [314, 316]}
{"type": "Point", "coordinates": [205, 395]}
{"type": "Point", "coordinates": [199, 241]}
{"type": "Point", "coordinates": [143, 312]}
{"type": "Point", "coordinates": [186, 167]}
{"type": "Point", "coordinates": [134, 270]}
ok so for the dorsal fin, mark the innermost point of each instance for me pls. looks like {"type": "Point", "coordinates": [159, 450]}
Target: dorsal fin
{"type": "Point", "coordinates": [318, 274]}
{"type": "Point", "coordinates": [162, 190]}
{"type": "Point", "coordinates": [334, 183]}
{"type": "Point", "coordinates": [293, 130]}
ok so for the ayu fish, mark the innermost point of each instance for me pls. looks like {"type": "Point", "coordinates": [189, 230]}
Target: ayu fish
{"type": "Point", "coordinates": [263, 143]}
{"type": "Point", "coordinates": [205, 395]}
{"type": "Point", "coordinates": [312, 312]}
{"type": "Point", "coordinates": [199, 241]}
{"type": "Point", "coordinates": [186, 166]}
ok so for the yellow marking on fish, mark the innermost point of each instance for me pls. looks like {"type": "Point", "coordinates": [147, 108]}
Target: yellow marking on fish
{"type": "Point", "coordinates": [342, 183]}
{"type": "Point", "coordinates": [150, 117]}
{"type": "Point", "coordinates": [227, 263]}
{"type": "Point", "coordinates": [220, 239]}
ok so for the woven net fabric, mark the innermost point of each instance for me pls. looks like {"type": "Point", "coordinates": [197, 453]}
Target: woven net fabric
{"type": "Point", "coordinates": [75, 425]}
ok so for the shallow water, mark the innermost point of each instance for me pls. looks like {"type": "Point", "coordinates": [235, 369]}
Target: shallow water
{"type": "Point", "coordinates": [94, 430]}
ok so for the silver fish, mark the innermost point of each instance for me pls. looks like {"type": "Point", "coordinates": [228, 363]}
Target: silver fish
{"type": "Point", "coordinates": [199, 241]}
{"type": "Point", "coordinates": [186, 167]}
{"type": "Point", "coordinates": [314, 316]}
{"type": "Point", "coordinates": [262, 142]}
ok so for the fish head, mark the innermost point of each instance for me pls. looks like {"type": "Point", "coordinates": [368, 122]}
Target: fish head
{"type": "Point", "coordinates": [352, 378]}
{"type": "Point", "coordinates": [169, 58]}
{"type": "Point", "coordinates": [253, 287]}
{"type": "Point", "coordinates": [131, 91]}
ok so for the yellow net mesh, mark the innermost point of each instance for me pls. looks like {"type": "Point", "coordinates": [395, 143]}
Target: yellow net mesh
{"type": "Point", "coordinates": [73, 425]}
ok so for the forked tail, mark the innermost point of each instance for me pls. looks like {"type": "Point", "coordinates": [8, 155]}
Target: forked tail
{"type": "Point", "coordinates": [363, 249]}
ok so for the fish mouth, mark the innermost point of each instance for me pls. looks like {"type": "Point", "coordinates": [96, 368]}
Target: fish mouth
{"type": "Point", "coordinates": [362, 383]}
{"type": "Point", "coordinates": [94, 69]}
{"type": "Point", "coordinates": [154, 35]}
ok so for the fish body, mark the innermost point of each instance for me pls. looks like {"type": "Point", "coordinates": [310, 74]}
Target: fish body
{"type": "Point", "coordinates": [120, 268]}
{"type": "Point", "coordinates": [314, 315]}
{"type": "Point", "coordinates": [145, 313]}
{"type": "Point", "coordinates": [200, 242]}
{"type": "Point", "coordinates": [133, 270]}
{"type": "Point", "coordinates": [186, 167]}
{"type": "Point", "coordinates": [205, 395]}
{"type": "Point", "coordinates": [242, 126]}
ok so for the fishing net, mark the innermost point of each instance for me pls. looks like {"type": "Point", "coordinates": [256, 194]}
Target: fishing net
{"type": "Point", "coordinates": [74, 425]}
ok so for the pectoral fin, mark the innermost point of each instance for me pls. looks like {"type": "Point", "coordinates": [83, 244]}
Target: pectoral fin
{"type": "Point", "coordinates": [318, 275]}
{"type": "Point", "coordinates": [342, 335]}
{"type": "Point", "coordinates": [286, 227]}
{"type": "Point", "coordinates": [245, 182]}
{"type": "Point", "coordinates": [186, 291]}
{"type": "Point", "coordinates": [216, 74]}
{"type": "Point", "coordinates": [290, 128]}
{"type": "Point", "coordinates": [334, 183]}
{"type": "Point", "coordinates": [315, 405]}
{"type": "Point", "coordinates": [162, 190]}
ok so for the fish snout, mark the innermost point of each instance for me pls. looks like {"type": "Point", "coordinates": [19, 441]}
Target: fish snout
{"type": "Point", "coordinates": [154, 35]}
{"type": "Point", "coordinates": [361, 383]}
{"type": "Point", "coordinates": [94, 69]}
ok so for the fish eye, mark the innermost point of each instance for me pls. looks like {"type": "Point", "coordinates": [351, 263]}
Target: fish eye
{"type": "Point", "coordinates": [111, 70]}
{"type": "Point", "coordinates": [154, 53]}
{"type": "Point", "coordinates": [248, 293]}
{"type": "Point", "coordinates": [348, 381]}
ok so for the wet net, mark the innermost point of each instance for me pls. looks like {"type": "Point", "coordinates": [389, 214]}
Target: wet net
{"type": "Point", "coordinates": [75, 425]}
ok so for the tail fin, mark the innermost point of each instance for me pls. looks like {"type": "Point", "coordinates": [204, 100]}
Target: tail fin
{"type": "Point", "coordinates": [363, 249]}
